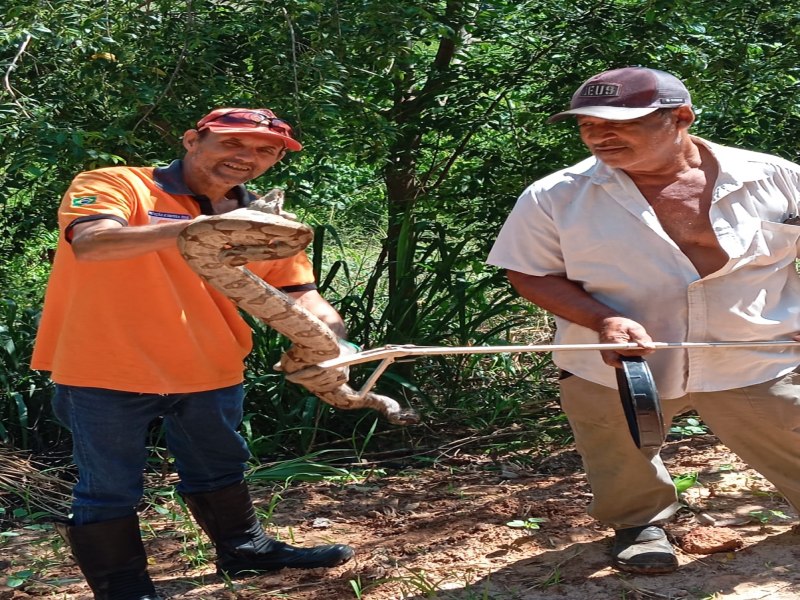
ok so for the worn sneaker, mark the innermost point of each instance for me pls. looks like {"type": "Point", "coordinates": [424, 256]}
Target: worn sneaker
{"type": "Point", "coordinates": [644, 549]}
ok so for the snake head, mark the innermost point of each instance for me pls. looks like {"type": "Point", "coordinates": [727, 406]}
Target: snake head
{"type": "Point", "coordinates": [272, 203]}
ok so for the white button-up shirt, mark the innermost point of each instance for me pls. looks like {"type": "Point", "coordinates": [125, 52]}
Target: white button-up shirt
{"type": "Point", "coordinates": [590, 224]}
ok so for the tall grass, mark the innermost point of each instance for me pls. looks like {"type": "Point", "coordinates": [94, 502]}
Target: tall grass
{"type": "Point", "coordinates": [457, 302]}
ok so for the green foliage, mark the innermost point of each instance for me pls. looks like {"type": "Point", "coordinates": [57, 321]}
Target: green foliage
{"type": "Point", "coordinates": [25, 420]}
{"type": "Point", "coordinates": [529, 523]}
{"type": "Point", "coordinates": [684, 482]}
{"type": "Point", "coordinates": [358, 587]}
{"type": "Point", "coordinates": [305, 468]}
{"type": "Point", "coordinates": [19, 578]}
{"type": "Point", "coordinates": [766, 516]}
{"type": "Point", "coordinates": [453, 300]}
{"type": "Point", "coordinates": [688, 426]}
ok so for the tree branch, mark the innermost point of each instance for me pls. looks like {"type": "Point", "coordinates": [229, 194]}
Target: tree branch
{"type": "Point", "coordinates": [298, 126]}
{"type": "Point", "coordinates": [512, 79]}
{"type": "Point", "coordinates": [445, 53]}
{"type": "Point", "coordinates": [175, 71]}
{"type": "Point", "coordinates": [11, 67]}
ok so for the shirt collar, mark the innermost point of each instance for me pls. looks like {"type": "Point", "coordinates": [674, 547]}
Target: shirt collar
{"type": "Point", "coordinates": [597, 170]}
{"type": "Point", "coordinates": [732, 169]}
{"type": "Point", "coordinates": [170, 179]}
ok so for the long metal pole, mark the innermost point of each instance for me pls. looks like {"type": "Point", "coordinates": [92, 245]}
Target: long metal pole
{"type": "Point", "coordinates": [394, 352]}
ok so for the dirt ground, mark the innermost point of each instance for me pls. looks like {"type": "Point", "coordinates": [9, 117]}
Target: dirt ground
{"type": "Point", "coordinates": [442, 532]}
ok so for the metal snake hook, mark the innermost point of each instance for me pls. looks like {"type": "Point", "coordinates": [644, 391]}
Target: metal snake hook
{"type": "Point", "coordinates": [390, 353]}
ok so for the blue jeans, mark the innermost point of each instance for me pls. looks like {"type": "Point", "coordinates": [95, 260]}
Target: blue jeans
{"type": "Point", "coordinates": [109, 436]}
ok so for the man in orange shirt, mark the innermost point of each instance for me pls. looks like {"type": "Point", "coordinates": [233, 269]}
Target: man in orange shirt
{"type": "Point", "coordinates": [130, 333]}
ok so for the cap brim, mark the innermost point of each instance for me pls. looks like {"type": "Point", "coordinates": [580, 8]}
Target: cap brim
{"type": "Point", "coordinates": [290, 144]}
{"type": "Point", "coordinates": [610, 113]}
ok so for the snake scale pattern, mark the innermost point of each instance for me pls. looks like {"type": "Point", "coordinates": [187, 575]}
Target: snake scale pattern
{"type": "Point", "coordinates": [218, 247]}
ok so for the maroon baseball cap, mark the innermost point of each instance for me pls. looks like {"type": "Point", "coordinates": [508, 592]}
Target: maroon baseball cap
{"type": "Point", "coordinates": [250, 120]}
{"type": "Point", "coordinates": [628, 93]}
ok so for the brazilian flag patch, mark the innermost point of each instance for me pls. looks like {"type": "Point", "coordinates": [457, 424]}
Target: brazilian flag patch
{"type": "Point", "coordinates": [83, 200]}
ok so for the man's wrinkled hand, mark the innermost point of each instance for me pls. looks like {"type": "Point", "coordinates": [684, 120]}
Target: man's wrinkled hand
{"type": "Point", "coordinates": [621, 330]}
{"type": "Point", "coordinates": [317, 379]}
{"type": "Point", "coordinates": [272, 203]}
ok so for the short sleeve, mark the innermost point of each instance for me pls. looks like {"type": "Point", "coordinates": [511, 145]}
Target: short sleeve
{"type": "Point", "coordinates": [529, 241]}
{"type": "Point", "coordinates": [104, 193]}
{"type": "Point", "coordinates": [285, 272]}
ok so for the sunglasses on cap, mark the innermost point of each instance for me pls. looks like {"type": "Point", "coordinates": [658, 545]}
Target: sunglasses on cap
{"type": "Point", "coordinates": [253, 119]}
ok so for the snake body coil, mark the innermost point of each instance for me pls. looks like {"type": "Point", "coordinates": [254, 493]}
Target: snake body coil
{"type": "Point", "coordinates": [218, 247]}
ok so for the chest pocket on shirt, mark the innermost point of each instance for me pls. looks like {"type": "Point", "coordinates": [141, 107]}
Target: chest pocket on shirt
{"type": "Point", "coordinates": [774, 245]}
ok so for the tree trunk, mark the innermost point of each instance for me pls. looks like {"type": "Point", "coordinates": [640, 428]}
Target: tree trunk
{"type": "Point", "coordinates": [403, 186]}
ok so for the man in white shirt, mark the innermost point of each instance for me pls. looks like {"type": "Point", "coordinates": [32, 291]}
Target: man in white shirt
{"type": "Point", "coordinates": [663, 236]}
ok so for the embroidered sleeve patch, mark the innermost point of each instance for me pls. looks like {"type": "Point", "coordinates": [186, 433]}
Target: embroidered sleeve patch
{"type": "Point", "coordinates": [83, 200]}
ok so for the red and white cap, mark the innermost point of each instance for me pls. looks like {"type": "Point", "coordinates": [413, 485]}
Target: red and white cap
{"type": "Point", "coordinates": [250, 120]}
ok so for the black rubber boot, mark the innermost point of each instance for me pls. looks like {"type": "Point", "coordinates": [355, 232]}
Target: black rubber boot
{"type": "Point", "coordinates": [243, 548]}
{"type": "Point", "coordinates": [111, 556]}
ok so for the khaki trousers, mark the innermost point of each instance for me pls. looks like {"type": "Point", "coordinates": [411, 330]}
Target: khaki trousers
{"type": "Point", "coordinates": [760, 423]}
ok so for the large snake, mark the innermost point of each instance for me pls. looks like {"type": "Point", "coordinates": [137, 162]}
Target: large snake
{"type": "Point", "coordinates": [217, 248]}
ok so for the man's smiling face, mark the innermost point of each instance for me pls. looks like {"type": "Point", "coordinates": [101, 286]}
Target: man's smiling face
{"type": "Point", "coordinates": [224, 160]}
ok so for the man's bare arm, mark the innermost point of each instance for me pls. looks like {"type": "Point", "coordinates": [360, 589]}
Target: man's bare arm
{"type": "Point", "coordinates": [107, 239]}
{"type": "Point", "coordinates": [570, 301]}
{"type": "Point", "coordinates": [317, 305]}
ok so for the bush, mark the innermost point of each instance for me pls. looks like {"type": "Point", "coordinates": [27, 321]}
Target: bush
{"type": "Point", "coordinates": [26, 420]}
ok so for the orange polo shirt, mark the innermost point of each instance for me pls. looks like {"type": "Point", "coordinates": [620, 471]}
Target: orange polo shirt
{"type": "Point", "coordinates": [147, 324]}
